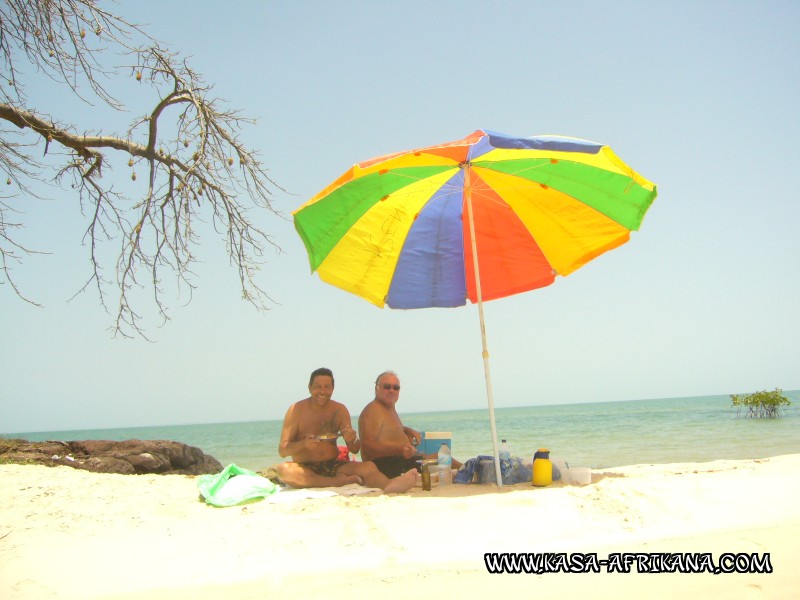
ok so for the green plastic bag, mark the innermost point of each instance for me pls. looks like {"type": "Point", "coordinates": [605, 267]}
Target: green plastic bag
{"type": "Point", "coordinates": [234, 485]}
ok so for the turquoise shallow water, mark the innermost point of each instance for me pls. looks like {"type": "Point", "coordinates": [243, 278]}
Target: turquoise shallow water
{"type": "Point", "coordinates": [597, 435]}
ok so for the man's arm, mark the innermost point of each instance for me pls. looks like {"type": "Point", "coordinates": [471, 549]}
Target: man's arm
{"type": "Point", "coordinates": [370, 425]}
{"type": "Point", "coordinates": [288, 445]}
{"type": "Point", "coordinates": [348, 433]}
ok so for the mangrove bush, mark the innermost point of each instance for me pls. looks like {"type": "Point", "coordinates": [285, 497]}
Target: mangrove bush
{"type": "Point", "coordinates": [760, 405]}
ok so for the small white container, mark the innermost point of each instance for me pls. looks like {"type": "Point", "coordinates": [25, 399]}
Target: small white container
{"type": "Point", "coordinates": [579, 475]}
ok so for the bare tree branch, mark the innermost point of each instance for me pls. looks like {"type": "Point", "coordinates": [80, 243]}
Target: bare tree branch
{"type": "Point", "coordinates": [187, 145]}
{"type": "Point", "coordinates": [10, 251]}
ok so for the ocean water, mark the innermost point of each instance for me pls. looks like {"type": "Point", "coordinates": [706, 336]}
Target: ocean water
{"type": "Point", "coordinates": [596, 435]}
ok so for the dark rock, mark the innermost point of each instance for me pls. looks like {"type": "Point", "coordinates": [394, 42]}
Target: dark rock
{"type": "Point", "coordinates": [147, 462]}
{"type": "Point", "coordinates": [101, 464]}
{"type": "Point", "coordinates": [105, 456]}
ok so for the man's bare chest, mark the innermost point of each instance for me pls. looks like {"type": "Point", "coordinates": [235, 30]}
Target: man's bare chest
{"type": "Point", "coordinates": [317, 422]}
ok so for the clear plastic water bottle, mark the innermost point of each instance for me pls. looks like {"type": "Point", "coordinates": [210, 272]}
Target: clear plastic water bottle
{"type": "Point", "coordinates": [505, 452]}
{"type": "Point", "coordinates": [505, 462]}
{"type": "Point", "coordinates": [445, 458]}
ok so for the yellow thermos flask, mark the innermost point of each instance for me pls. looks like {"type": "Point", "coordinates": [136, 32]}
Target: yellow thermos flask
{"type": "Point", "coordinates": [542, 468]}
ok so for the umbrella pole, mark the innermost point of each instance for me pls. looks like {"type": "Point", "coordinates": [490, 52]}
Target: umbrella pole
{"type": "Point", "coordinates": [486, 370]}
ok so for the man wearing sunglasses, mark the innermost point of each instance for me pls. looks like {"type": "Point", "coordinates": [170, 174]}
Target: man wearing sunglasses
{"type": "Point", "coordinates": [384, 439]}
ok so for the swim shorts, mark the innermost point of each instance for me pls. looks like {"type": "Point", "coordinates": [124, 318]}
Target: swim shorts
{"type": "Point", "coordinates": [326, 468]}
{"type": "Point", "coordinates": [394, 466]}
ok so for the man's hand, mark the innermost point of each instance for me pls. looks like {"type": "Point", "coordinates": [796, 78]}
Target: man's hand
{"type": "Point", "coordinates": [409, 451]}
{"type": "Point", "coordinates": [349, 434]}
{"type": "Point", "coordinates": [414, 436]}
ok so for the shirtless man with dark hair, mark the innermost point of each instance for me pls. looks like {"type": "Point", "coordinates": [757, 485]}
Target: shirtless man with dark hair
{"type": "Point", "coordinates": [303, 437]}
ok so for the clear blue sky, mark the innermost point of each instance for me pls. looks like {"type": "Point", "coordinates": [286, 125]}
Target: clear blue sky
{"type": "Point", "coordinates": [700, 97]}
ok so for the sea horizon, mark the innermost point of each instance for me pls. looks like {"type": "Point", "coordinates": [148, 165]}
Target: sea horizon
{"type": "Point", "coordinates": [793, 395]}
{"type": "Point", "coordinates": [594, 434]}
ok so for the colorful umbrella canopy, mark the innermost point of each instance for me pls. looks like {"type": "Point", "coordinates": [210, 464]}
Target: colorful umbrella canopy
{"type": "Point", "coordinates": [480, 218]}
{"type": "Point", "coordinates": [393, 230]}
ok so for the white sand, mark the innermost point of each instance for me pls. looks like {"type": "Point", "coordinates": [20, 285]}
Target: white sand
{"type": "Point", "coordinates": [77, 535]}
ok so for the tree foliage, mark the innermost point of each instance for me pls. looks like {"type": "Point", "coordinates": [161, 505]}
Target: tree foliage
{"type": "Point", "coordinates": [184, 156]}
{"type": "Point", "coordinates": [760, 405]}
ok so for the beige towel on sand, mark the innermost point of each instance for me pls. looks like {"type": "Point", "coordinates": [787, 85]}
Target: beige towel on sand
{"type": "Point", "coordinates": [289, 494]}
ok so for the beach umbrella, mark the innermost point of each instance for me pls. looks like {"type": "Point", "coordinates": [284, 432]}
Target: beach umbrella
{"type": "Point", "coordinates": [476, 219]}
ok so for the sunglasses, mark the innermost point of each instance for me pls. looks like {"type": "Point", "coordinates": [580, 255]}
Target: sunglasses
{"type": "Point", "coordinates": [389, 386]}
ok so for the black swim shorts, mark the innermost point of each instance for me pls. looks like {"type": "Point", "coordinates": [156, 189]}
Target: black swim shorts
{"type": "Point", "coordinates": [326, 468]}
{"type": "Point", "coordinates": [394, 466]}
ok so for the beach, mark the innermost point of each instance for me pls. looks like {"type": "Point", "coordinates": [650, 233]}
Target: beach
{"type": "Point", "coordinates": [71, 534]}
